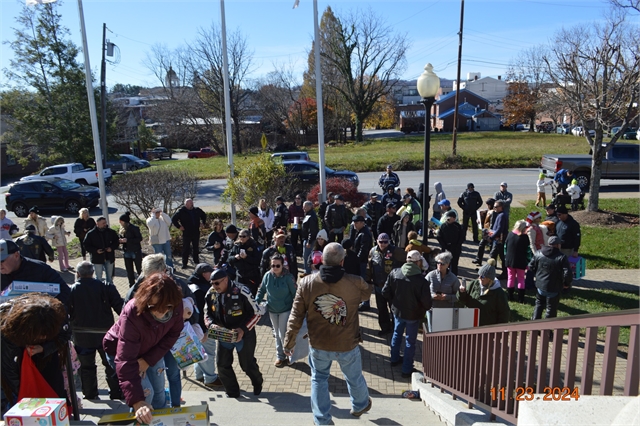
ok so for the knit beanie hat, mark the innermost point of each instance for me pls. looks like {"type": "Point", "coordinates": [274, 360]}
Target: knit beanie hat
{"type": "Point", "coordinates": [125, 217]}
{"type": "Point", "coordinates": [542, 176]}
{"type": "Point", "coordinates": [487, 271]}
{"type": "Point", "coordinates": [533, 216]}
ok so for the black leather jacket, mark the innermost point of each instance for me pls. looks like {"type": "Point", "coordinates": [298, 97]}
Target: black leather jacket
{"type": "Point", "coordinates": [551, 269]}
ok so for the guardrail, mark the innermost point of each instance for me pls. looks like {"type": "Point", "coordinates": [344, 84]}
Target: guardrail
{"type": "Point", "coordinates": [495, 367]}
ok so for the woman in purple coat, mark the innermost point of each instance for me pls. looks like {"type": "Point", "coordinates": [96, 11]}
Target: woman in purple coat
{"type": "Point", "coordinates": [147, 328]}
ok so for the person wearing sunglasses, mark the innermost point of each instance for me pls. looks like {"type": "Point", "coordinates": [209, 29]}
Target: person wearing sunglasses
{"type": "Point", "coordinates": [147, 328]}
{"type": "Point", "coordinates": [244, 257]}
{"type": "Point", "coordinates": [231, 305]}
{"type": "Point", "coordinates": [443, 283]}
{"type": "Point", "coordinates": [486, 294]}
{"type": "Point", "coordinates": [279, 289]}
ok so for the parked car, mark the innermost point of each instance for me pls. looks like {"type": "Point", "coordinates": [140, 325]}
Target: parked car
{"type": "Point", "coordinates": [73, 171]}
{"type": "Point", "coordinates": [293, 155]}
{"type": "Point", "coordinates": [630, 133]}
{"type": "Point", "coordinates": [563, 129]}
{"type": "Point", "coordinates": [55, 194]}
{"type": "Point", "coordinates": [203, 153]}
{"type": "Point", "coordinates": [308, 173]}
{"type": "Point", "coordinates": [545, 127]}
{"type": "Point", "coordinates": [579, 131]}
{"type": "Point", "coordinates": [126, 163]}
{"type": "Point", "coordinates": [160, 152]}
{"type": "Point", "coordinates": [620, 162]}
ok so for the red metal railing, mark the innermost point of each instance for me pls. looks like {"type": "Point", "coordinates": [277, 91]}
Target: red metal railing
{"type": "Point", "coordinates": [495, 367]}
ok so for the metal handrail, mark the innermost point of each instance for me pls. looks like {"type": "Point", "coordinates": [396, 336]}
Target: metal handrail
{"type": "Point", "coordinates": [495, 367]}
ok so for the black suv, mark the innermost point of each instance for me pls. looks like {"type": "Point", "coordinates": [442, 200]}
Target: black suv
{"type": "Point", "coordinates": [308, 173]}
{"type": "Point", "coordinates": [57, 194]}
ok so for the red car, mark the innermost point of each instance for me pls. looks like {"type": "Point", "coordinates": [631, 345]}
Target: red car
{"type": "Point", "coordinates": [203, 153]}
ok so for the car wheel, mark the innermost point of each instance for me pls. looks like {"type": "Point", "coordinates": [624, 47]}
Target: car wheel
{"type": "Point", "coordinates": [583, 181]}
{"type": "Point", "coordinates": [73, 206]}
{"type": "Point", "coordinates": [20, 209]}
{"type": "Point", "coordinates": [133, 168]}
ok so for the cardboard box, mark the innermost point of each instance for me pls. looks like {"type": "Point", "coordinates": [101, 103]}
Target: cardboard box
{"type": "Point", "coordinates": [18, 288]}
{"type": "Point", "coordinates": [183, 416]}
{"type": "Point", "coordinates": [188, 349]}
{"type": "Point", "coordinates": [38, 412]}
{"type": "Point", "coordinates": [445, 319]}
{"type": "Point", "coordinates": [223, 334]}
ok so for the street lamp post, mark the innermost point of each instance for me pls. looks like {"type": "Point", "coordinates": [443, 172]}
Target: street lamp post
{"type": "Point", "coordinates": [428, 86]}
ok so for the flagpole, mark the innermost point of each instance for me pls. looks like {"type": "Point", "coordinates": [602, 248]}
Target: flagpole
{"type": "Point", "coordinates": [227, 103]}
{"type": "Point", "coordinates": [319, 106]}
{"type": "Point", "coordinates": [94, 116]}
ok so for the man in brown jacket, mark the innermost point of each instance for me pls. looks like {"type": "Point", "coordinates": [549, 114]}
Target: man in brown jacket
{"type": "Point", "coordinates": [329, 300]}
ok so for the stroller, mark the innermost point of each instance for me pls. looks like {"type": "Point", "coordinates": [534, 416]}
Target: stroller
{"type": "Point", "coordinates": [560, 199]}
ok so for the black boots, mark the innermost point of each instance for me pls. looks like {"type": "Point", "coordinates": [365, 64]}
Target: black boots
{"type": "Point", "coordinates": [521, 292]}
{"type": "Point", "coordinates": [510, 293]}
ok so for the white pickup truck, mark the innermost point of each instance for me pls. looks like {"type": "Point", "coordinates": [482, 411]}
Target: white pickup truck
{"type": "Point", "coordinates": [75, 172]}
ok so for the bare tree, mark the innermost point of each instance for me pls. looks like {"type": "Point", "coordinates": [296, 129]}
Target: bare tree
{"type": "Point", "coordinates": [205, 63]}
{"type": "Point", "coordinates": [626, 4]}
{"type": "Point", "coordinates": [597, 71]}
{"type": "Point", "coordinates": [369, 57]}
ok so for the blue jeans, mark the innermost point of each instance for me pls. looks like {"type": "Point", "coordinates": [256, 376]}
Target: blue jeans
{"type": "Point", "coordinates": [410, 342]}
{"type": "Point", "coordinates": [107, 268]}
{"type": "Point", "coordinates": [351, 365]}
{"type": "Point", "coordinates": [306, 252]}
{"type": "Point", "coordinates": [152, 383]}
{"type": "Point", "coordinates": [166, 249]}
{"type": "Point", "coordinates": [207, 369]}
{"type": "Point", "coordinates": [279, 323]}
{"type": "Point", "coordinates": [173, 377]}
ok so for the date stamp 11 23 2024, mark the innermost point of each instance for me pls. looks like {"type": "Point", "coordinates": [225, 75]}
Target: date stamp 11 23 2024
{"type": "Point", "coordinates": [527, 394]}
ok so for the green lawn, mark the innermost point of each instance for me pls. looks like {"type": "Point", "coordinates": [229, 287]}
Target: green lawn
{"type": "Point", "coordinates": [583, 301]}
{"type": "Point", "coordinates": [475, 150]}
{"type": "Point", "coordinates": [603, 248]}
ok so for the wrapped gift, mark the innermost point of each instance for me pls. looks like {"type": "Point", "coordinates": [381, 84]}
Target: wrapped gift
{"type": "Point", "coordinates": [188, 349]}
{"type": "Point", "coordinates": [38, 412]}
{"type": "Point", "coordinates": [301, 349]}
{"type": "Point", "coordinates": [223, 334]}
{"type": "Point", "coordinates": [18, 288]}
{"type": "Point", "coordinates": [578, 266]}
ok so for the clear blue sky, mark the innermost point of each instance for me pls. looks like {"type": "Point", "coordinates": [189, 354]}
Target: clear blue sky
{"type": "Point", "coordinates": [495, 31]}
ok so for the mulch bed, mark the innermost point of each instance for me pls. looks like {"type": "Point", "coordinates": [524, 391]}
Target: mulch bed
{"type": "Point", "coordinates": [606, 218]}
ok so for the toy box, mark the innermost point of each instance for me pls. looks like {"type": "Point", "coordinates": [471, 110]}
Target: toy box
{"type": "Point", "coordinates": [18, 288]}
{"type": "Point", "coordinates": [188, 349]}
{"type": "Point", "coordinates": [179, 416]}
{"type": "Point", "coordinates": [38, 412]}
{"type": "Point", "coordinates": [578, 266]}
{"type": "Point", "coordinates": [223, 334]}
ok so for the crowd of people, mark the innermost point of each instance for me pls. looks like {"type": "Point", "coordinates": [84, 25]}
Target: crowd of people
{"type": "Point", "coordinates": [346, 254]}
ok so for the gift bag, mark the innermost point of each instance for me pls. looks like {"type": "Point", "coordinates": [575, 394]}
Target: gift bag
{"type": "Point", "coordinates": [301, 349]}
{"type": "Point", "coordinates": [188, 349]}
{"type": "Point", "coordinates": [32, 384]}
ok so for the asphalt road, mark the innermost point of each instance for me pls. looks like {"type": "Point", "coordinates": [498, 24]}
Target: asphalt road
{"type": "Point", "coordinates": [521, 183]}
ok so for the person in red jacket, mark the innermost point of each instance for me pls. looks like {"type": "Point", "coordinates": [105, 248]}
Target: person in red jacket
{"type": "Point", "coordinates": [147, 328]}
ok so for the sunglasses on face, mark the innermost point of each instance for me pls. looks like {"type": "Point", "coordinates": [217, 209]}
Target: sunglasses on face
{"type": "Point", "coordinates": [440, 263]}
{"type": "Point", "coordinates": [216, 283]}
{"type": "Point", "coordinates": [276, 265]}
{"type": "Point", "coordinates": [151, 307]}
{"type": "Point", "coordinates": [383, 242]}
{"type": "Point", "coordinates": [244, 236]}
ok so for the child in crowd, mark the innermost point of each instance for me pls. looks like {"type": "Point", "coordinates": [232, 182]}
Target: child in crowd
{"type": "Point", "coordinates": [541, 199]}
{"type": "Point", "coordinates": [574, 191]}
{"type": "Point", "coordinates": [58, 236]}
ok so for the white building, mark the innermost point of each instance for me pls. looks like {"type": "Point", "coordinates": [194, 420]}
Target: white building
{"type": "Point", "coordinates": [492, 89]}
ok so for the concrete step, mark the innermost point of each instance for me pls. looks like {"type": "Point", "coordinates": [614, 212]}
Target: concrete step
{"type": "Point", "coordinates": [271, 408]}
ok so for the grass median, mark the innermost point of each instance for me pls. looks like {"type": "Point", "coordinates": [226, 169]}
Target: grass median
{"type": "Point", "coordinates": [475, 151]}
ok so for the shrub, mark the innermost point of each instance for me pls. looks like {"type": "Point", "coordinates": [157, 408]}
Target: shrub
{"type": "Point", "coordinates": [339, 186]}
{"type": "Point", "coordinates": [141, 191]}
{"type": "Point", "coordinates": [258, 177]}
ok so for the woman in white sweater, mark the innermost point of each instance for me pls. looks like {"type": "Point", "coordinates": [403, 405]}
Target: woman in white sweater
{"type": "Point", "coordinates": [159, 236]}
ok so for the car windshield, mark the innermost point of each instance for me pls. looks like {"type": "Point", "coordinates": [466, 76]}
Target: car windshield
{"type": "Point", "coordinates": [66, 184]}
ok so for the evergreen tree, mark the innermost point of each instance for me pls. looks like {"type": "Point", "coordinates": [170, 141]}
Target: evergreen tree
{"type": "Point", "coordinates": [48, 106]}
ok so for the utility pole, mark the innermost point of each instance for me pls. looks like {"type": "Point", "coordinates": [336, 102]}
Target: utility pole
{"type": "Point", "coordinates": [103, 97]}
{"type": "Point", "coordinates": [455, 108]}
